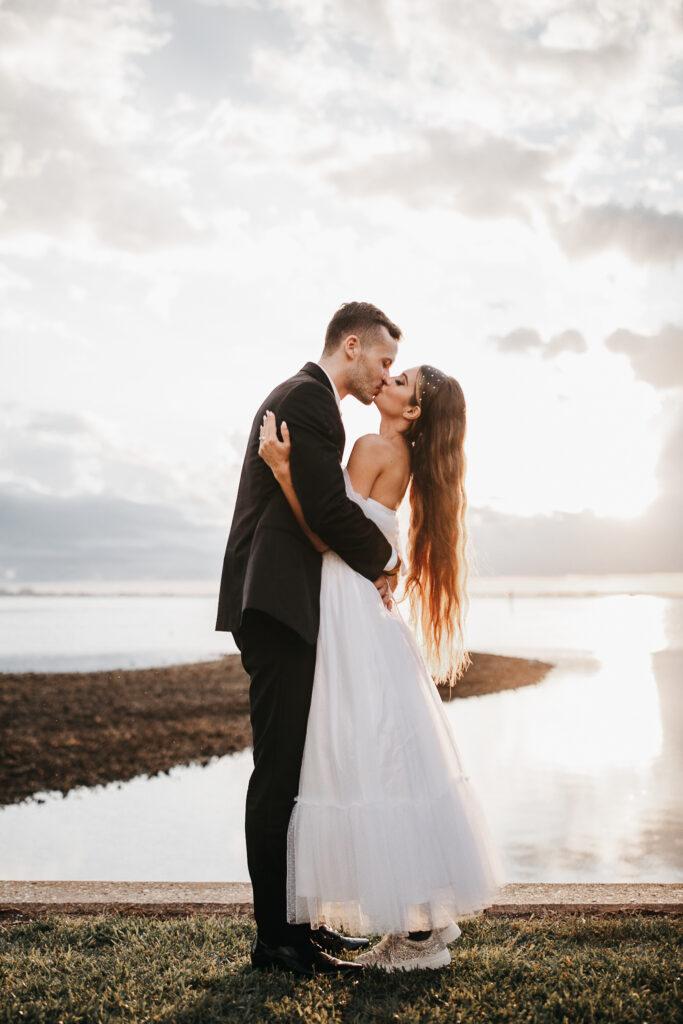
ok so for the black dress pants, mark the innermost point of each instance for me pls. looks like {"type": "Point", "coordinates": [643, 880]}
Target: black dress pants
{"type": "Point", "coordinates": [281, 666]}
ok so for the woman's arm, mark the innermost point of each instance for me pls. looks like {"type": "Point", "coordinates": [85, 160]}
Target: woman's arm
{"type": "Point", "coordinates": [275, 454]}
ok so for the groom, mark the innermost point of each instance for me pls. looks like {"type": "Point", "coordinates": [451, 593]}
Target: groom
{"type": "Point", "coordinates": [270, 601]}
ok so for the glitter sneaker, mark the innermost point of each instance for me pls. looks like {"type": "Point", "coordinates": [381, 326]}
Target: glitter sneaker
{"type": "Point", "coordinates": [399, 953]}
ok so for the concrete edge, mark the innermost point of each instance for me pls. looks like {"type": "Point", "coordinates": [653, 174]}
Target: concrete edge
{"type": "Point", "coordinates": [31, 911]}
{"type": "Point", "coordinates": [24, 900]}
{"type": "Point", "coordinates": [27, 911]}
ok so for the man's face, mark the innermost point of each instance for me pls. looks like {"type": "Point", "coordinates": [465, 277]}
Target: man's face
{"type": "Point", "coordinates": [369, 372]}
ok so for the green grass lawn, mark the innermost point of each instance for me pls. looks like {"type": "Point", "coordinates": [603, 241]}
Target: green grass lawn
{"type": "Point", "coordinates": [120, 968]}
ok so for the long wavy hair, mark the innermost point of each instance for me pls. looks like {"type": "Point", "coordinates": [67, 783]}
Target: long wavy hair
{"type": "Point", "coordinates": [436, 585]}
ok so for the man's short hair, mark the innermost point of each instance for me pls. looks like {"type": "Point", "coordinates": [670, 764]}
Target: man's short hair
{"type": "Point", "coordinates": [361, 318]}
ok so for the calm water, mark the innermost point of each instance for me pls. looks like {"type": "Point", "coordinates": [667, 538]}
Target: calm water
{"type": "Point", "coordinates": [83, 634]}
{"type": "Point", "coordinates": [580, 776]}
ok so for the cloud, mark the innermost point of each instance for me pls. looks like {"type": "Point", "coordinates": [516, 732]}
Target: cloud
{"type": "Point", "coordinates": [77, 505]}
{"type": "Point", "coordinates": [655, 358]}
{"type": "Point", "coordinates": [522, 339]}
{"type": "Point", "coordinates": [559, 97]}
{"type": "Point", "coordinates": [566, 341]}
{"type": "Point", "coordinates": [465, 108]}
{"type": "Point", "coordinates": [253, 140]}
{"type": "Point", "coordinates": [496, 64]}
{"type": "Point", "coordinates": [69, 456]}
{"type": "Point", "coordinates": [645, 234]}
{"type": "Point", "coordinates": [101, 537]}
{"type": "Point", "coordinates": [75, 133]}
{"type": "Point", "coordinates": [527, 339]}
{"type": "Point", "coordinates": [578, 542]}
{"type": "Point", "coordinates": [57, 423]}
{"type": "Point", "coordinates": [482, 175]}
{"type": "Point", "coordinates": [67, 514]}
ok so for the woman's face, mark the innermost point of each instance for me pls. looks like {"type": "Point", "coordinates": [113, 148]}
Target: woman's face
{"type": "Point", "coordinates": [396, 396]}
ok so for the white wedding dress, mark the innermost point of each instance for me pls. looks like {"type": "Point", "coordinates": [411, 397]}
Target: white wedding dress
{"type": "Point", "coordinates": [386, 834]}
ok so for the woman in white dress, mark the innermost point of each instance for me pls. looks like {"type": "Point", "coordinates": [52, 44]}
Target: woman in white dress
{"type": "Point", "coordinates": [387, 834]}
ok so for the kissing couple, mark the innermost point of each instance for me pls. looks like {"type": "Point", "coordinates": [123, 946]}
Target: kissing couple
{"type": "Point", "coordinates": [359, 813]}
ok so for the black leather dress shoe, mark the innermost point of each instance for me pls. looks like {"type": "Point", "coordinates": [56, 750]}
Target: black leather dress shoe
{"type": "Point", "coordinates": [305, 961]}
{"type": "Point", "coordinates": [333, 942]}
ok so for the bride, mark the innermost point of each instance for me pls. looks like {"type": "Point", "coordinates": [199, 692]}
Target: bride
{"type": "Point", "coordinates": [387, 834]}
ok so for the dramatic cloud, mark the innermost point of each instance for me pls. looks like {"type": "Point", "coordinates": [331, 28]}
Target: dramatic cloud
{"type": "Point", "coordinates": [189, 188]}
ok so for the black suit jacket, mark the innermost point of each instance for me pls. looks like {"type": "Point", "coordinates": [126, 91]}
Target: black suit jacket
{"type": "Point", "coordinates": [269, 563]}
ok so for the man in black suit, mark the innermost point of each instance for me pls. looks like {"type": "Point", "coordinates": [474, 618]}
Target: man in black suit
{"type": "Point", "coordinates": [270, 601]}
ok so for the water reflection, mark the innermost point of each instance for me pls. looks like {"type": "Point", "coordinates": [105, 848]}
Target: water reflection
{"type": "Point", "coordinates": [579, 776]}
{"type": "Point", "coordinates": [185, 825]}
{"type": "Point", "coordinates": [582, 781]}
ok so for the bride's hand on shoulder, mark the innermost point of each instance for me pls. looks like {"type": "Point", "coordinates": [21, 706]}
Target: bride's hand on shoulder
{"type": "Point", "coordinates": [275, 453]}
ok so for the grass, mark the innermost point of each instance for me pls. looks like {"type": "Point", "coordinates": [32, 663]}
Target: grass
{"type": "Point", "coordinates": [624, 969]}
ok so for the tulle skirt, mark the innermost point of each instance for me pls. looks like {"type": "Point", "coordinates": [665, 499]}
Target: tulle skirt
{"type": "Point", "coordinates": [387, 834]}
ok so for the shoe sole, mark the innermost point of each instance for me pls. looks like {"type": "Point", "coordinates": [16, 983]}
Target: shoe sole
{"type": "Point", "coordinates": [450, 934]}
{"type": "Point", "coordinates": [431, 962]}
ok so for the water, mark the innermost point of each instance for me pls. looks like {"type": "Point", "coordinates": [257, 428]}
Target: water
{"type": "Point", "coordinates": [84, 634]}
{"type": "Point", "coordinates": [579, 776]}
{"type": "Point", "coordinates": [70, 632]}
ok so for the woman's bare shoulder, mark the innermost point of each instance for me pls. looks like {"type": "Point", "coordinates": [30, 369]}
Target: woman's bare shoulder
{"type": "Point", "coordinates": [372, 447]}
{"type": "Point", "coordinates": [368, 459]}
{"type": "Point", "coordinates": [371, 442]}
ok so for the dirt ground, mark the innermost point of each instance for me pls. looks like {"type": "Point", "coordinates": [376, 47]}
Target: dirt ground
{"type": "Point", "coordinates": [61, 730]}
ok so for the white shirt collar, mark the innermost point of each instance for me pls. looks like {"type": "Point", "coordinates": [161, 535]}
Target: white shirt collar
{"type": "Point", "coordinates": [334, 389]}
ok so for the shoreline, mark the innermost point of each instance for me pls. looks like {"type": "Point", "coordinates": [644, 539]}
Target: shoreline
{"type": "Point", "coordinates": [660, 583]}
{"type": "Point", "coordinates": [67, 729]}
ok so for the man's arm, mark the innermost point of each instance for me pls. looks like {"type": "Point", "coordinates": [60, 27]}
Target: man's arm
{"type": "Point", "coordinates": [319, 484]}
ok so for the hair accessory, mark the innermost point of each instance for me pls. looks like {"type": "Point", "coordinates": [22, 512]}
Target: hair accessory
{"type": "Point", "coordinates": [429, 380]}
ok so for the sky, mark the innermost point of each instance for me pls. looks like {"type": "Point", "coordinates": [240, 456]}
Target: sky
{"type": "Point", "coordinates": [190, 188]}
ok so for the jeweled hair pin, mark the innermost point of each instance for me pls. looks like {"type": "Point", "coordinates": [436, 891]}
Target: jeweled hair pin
{"type": "Point", "coordinates": [428, 382]}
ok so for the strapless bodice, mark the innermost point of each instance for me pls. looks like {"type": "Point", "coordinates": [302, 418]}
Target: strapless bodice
{"type": "Point", "coordinates": [384, 517]}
